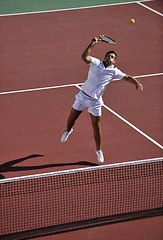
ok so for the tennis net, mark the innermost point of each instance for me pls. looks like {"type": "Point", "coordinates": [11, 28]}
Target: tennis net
{"type": "Point", "coordinates": [74, 199]}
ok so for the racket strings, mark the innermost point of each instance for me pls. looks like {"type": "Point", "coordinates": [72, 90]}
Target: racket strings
{"type": "Point", "coordinates": [106, 39]}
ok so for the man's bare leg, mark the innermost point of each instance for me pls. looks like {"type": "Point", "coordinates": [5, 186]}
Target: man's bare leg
{"type": "Point", "coordinates": [74, 114]}
{"type": "Point", "coordinates": [96, 130]}
{"type": "Point", "coordinates": [97, 136]}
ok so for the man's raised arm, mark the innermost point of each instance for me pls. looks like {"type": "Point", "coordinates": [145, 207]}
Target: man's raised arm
{"type": "Point", "coordinates": [86, 54]}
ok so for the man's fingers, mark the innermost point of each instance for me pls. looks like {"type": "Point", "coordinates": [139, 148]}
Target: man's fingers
{"type": "Point", "coordinates": [139, 86]}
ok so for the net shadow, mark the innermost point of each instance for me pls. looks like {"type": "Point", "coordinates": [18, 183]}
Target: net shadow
{"type": "Point", "coordinates": [79, 225]}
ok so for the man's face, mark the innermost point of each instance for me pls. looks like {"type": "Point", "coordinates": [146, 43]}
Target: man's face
{"type": "Point", "coordinates": [110, 59]}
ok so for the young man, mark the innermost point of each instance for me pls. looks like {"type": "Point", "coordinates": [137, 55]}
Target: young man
{"type": "Point", "coordinates": [100, 74]}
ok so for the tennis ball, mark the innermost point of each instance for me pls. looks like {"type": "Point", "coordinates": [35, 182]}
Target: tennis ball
{"type": "Point", "coordinates": [132, 20]}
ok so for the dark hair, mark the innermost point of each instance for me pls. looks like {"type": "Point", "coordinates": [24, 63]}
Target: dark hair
{"type": "Point", "coordinates": [111, 52]}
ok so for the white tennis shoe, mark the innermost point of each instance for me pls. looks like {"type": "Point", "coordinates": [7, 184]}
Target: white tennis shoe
{"type": "Point", "coordinates": [66, 135]}
{"type": "Point", "coordinates": [100, 156]}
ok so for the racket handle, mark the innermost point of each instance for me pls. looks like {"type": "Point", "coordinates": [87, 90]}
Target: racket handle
{"type": "Point", "coordinates": [93, 40]}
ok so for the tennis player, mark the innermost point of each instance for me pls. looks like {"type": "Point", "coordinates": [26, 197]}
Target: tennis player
{"type": "Point", "coordinates": [100, 74]}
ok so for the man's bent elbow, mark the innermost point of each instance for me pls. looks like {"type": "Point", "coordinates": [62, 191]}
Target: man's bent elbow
{"type": "Point", "coordinates": [86, 59]}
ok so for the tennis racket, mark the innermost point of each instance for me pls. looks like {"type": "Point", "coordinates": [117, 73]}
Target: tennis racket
{"type": "Point", "coordinates": [106, 39]}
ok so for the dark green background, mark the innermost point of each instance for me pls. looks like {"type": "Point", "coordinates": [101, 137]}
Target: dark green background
{"type": "Point", "coordinates": [20, 6]}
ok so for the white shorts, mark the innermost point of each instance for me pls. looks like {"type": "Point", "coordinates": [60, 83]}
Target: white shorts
{"type": "Point", "coordinates": [82, 102]}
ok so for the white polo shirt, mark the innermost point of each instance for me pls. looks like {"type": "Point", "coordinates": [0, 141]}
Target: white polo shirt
{"type": "Point", "coordinates": [99, 77]}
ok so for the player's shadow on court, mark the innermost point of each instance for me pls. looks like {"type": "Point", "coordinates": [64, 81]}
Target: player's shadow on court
{"type": "Point", "coordinates": [10, 166]}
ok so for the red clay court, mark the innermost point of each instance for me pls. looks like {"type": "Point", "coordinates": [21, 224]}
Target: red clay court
{"type": "Point", "coordinates": [42, 70]}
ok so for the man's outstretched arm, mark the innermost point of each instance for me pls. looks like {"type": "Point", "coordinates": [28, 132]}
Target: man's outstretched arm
{"type": "Point", "coordinates": [133, 81]}
{"type": "Point", "coordinates": [86, 54]}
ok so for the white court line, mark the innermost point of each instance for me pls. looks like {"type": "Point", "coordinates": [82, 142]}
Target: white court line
{"type": "Point", "coordinates": [68, 85]}
{"type": "Point", "coordinates": [38, 89]}
{"type": "Point", "coordinates": [151, 9]}
{"type": "Point", "coordinates": [77, 85]}
{"type": "Point", "coordinates": [77, 8]}
{"type": "Point", "coordinates": [130, 124]}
